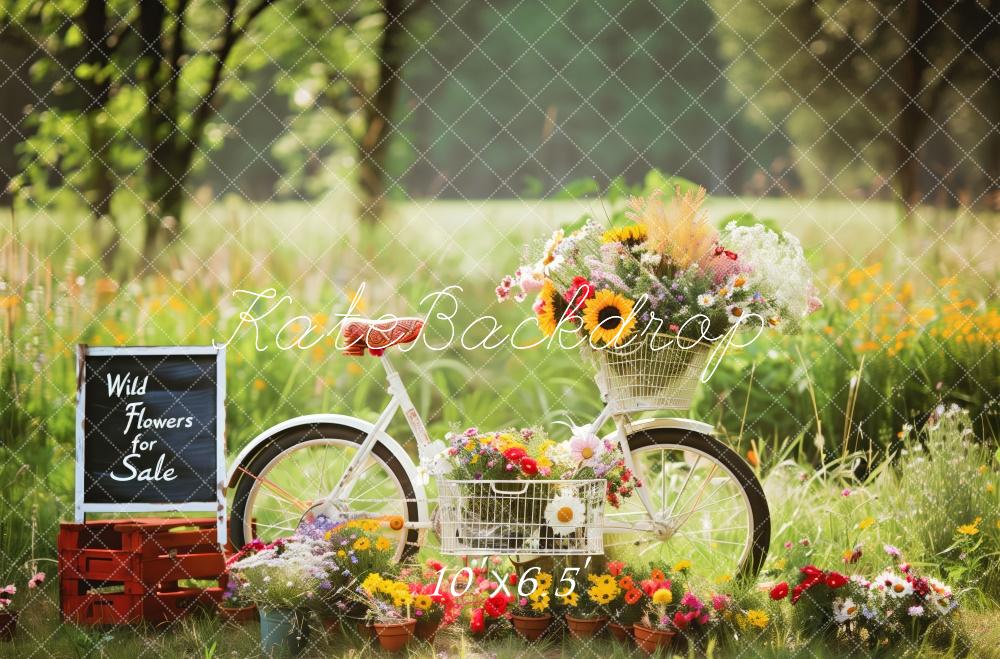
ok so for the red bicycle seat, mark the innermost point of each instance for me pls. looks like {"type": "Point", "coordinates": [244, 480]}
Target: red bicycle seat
{"type": "Point", "coordinates": [375, 336]}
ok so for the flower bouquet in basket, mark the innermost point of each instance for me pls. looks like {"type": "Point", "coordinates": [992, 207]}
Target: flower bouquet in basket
{"type": "Point", "coordinates": [649, 295]}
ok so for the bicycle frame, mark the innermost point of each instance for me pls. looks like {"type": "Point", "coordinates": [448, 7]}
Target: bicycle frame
{"type": "Point", "coordinates": [399, 399]}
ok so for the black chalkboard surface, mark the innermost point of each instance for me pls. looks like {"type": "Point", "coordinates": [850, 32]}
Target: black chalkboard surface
{"type": "Point", "coordinates": [150, 428]}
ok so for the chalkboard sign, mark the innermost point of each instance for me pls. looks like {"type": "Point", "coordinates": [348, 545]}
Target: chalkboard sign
{"type": "Point", "coordinates": [149, 434]}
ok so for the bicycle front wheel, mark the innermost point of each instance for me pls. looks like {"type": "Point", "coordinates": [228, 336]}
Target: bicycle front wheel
{"type": "Point", "coordinates": [709, 506]}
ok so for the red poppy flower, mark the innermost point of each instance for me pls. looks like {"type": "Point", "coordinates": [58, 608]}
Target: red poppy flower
{"type": "Point", "coordinates": [657, 574]}
{"type": "Point", "coordinates": [515, 453]}
{"type": "Point", "coordinates": [835, 580]}
{"type": "Point", "coordinates": [478, 622]}
{"type": "Point", "coordinates": [626, 583]}
{"type": "Point", "coordinates": [633, 596]}
{"type": "Point", "coordinates": [615, 568]}
{"type": "Point", "coordinates": [529, 467]}
{"type": "Point", "coordinates": [780, 591]}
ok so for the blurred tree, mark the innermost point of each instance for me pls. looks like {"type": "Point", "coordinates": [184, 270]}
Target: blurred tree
{"type": "Point", "coordinates": [139, 83]}
{"type": "Point", "coordinates": [867, 88]}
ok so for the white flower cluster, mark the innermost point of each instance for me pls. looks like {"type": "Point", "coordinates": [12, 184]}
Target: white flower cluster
{"type": "Point", "coordinates": [778, 265]}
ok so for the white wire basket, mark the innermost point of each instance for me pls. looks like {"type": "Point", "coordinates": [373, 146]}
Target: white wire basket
{"type": "Point", "coordinates": [545, 517]}
{"type": "Point", "coordinates": [652, 372]}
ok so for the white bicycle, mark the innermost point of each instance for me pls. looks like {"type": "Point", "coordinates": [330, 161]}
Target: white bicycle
{"type": "Point", "coordinates": [699, 500]}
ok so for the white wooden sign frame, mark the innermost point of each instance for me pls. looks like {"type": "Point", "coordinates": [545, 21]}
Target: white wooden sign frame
{"type": "Point", "coordinates": [219, 504]}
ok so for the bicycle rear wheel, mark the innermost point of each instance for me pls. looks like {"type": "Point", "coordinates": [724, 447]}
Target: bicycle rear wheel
{"type": "Point", "coordinates": [711, 504]}
{"type": "Point", "coordinates": [300, 466]}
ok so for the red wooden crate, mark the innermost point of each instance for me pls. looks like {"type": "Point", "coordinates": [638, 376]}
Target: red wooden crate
{"type": "Point", "coordinates": [124, 608]}
{"type": "Point", "coordinates": [141, 561]}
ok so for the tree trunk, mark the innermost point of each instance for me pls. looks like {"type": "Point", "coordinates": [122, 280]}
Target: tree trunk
{"type": "Point", "coordinates": [917, 25]}
{"type": "Point", "coordinates": [97, 92]}
{"type": "Point", "coordinates": [374, 144]}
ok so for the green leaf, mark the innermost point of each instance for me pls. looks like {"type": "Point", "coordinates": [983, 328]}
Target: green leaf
{"type": "Point", "coordinates": [74, 36]}
{"type": "Point", "coordinates": [578, 189]}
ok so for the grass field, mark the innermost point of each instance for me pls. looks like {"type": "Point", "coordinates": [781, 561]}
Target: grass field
{"type": "Point", "coordinates": [911, 320]}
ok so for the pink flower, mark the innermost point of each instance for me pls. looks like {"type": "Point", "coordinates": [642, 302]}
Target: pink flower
{"type": "Point", "coordinates": [892, 551]}
{"type": "Point", "coordinates": [720, 602]}
{"type": "Point", "coordinates": [9, 589]}
{"type": "Point", "coordinates": [36, 579]}
{"type": "Point", "coordinates": [585, 447]}
{"type": "Point", "coordinates": [846, 492]}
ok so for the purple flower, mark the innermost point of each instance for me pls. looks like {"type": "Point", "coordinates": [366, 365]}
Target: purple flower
{"type": "Point", "coordinates": [892, 551]}
{"type": "Point", "coordinates": [325, 585]}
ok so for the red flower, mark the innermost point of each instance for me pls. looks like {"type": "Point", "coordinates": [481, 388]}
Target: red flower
{"type": "Point", "coordinates": [812, 571]}
{"type": "Point", "coordinates": [478, 622]}
{"type": "Point", "coordinates": [626, 583]}
{"type": "Point", "coordinates": [835, 580]}
{"type": "Point", "coordinates": [579, 292]}
{"type": "Point", "coordinates": [633, 596]}
{"type": "Point", "coordinates": [615, 568]}
{"type": "Point", "coordinates": [515, 453]}
{"type": "Point", "coordinates": [797, 593]}
{"type": "Point", "coordinates": [529, 467]}
{"type": "Point", "coordinates": [512, 579]}
{"type": "Point", "coordinates": [434, 565]}
{"type": "Point", "coordinates": [780, 591]}
{"type": "Point", "coordinates": [496, 606]}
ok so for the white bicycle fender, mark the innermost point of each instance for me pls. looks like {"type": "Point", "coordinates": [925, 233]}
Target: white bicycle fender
{"type": "Point", "coordinates": [674, 422]}
{"type": "Point", "coordinates": [341, 420]}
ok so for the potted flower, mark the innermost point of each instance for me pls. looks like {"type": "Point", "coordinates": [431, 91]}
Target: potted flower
{"type": "Point", "coordinates": [389, 607]}
{"type": "Point", "coordinates": [531, 615]}
{"type": "Point", "coordinates": [494, 608]}
{"type": "Point", "coordinates": [284, 579]}
{"type": "Point", "coordinates": [8, 614]}
{"type": "Point", "coordinates": [628, 606]}
{"type": "Point", "coordinates": [234, 607]}
{"type": "Point", "coordinates": [586, 613]}
{"type": "Point", "coordinates": [430, 609]}
{"type": "Point", "coordinates": [655, 629]}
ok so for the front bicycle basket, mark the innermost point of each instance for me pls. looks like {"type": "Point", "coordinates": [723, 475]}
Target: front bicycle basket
{"type": "Point", "coordinates": [488, 517]}
{"type": "Point", "coordinates": [653, 372]}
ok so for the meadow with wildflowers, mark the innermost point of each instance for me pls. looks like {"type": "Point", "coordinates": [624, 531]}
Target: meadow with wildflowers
{"type": "Point", "coordinates": [874, 429]}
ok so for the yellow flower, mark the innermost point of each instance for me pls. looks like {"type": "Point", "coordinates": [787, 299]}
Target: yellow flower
{"type": "Point", "coordinates": [758, 618]}
{"type": "Point", "coordinates": [423, 602]}
{"type": "Point", "coordinates": [608, 317]}
{"type": "Point", "coordinates": [544, 581]}
{"type": "Point", "coordinates": [680, 566]}
{"type": "Point", "coordinates": [402, 598]}
{"type": "Point", "coordinates": [342, 553]}
{"type": "Point", "coordinates": [362, 544]}
{"type": "Point", "coordinates": [383, 543]}
{"type": "Point", "coordinates": [552, 308]}
{"type": "Point", "coordinates": [539, 600]}
{"type": "Point", "coordinates": [372, 583]}
{"type": "Point", "coordinates": [723, 579]}
{"type": "Point", "coordinates": [970, 529]}
{"type": "Point", "coordinates": [632, 234]}
{"type": "Point", "coordinates": [259, 384]}
{"type": "Point", "coordinates": [663, 596]}
{"type": "Point", "coordinates": [570, 599]}
{"type": "Point", "coordinates": [866, 522]}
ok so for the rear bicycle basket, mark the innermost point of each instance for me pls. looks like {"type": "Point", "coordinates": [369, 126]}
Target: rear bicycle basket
{"type": "Point", "coordinates": [652, 372]}
{"type": "Point", "coordinates": [545, 517]}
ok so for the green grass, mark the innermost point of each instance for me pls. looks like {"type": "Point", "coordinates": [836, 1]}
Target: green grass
{"type": "Point", "coordinates": [799, 411]}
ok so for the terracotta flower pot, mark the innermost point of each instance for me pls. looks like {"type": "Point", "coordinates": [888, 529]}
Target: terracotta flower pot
{"type": "Point", "coordinates": [585, 627]}
{"type": "Point", "coordinates": [394, 636]}
{"type": "Point", "coordinates": [8, 625]}
{"type": "Point", "coordinates": [620, 632]}
{"type": "Point", "coordinates": [237, 614]}
{"type": "Point", "coordinates": [651, 640]}
{"type": "Point", "coordinates": [531, 627]}
{"type": "Point", "coordinates": [366, 630]}
{"type": "Point", "coordinates": [426, 629]}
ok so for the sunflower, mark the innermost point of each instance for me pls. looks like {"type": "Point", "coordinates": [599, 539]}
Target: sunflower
{"type": "Point", "coordinates": [608, 317]}
{"type": "Point", "coordinates": [570, 599]}
{"type": "Point", "coordinates": [362, 544]}
{"type": "Point", "coordinates": [544, 581]}
{"type": "Point", "coordinates": [383, 543]}
{"type": "Point", "coordinates": [630, 235]}
{"type": "Point", "coordinates": [550, 309]}
{"type": "Point", "coordinates": [422, 602]}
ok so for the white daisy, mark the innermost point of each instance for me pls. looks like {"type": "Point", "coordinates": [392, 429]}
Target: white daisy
{"type": "Point", "coordinates": [735, 313]}
{"type": "Point", "coordinates": [895, 586]}
{"type": "Point", "coordinates": [738, 282]}
{"type": "Point", "coordinates": [845, 609]}
{"type": "Point", "coordinates": [706, 300]}
{"type": "Point", "coordinates": [564, 514]}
